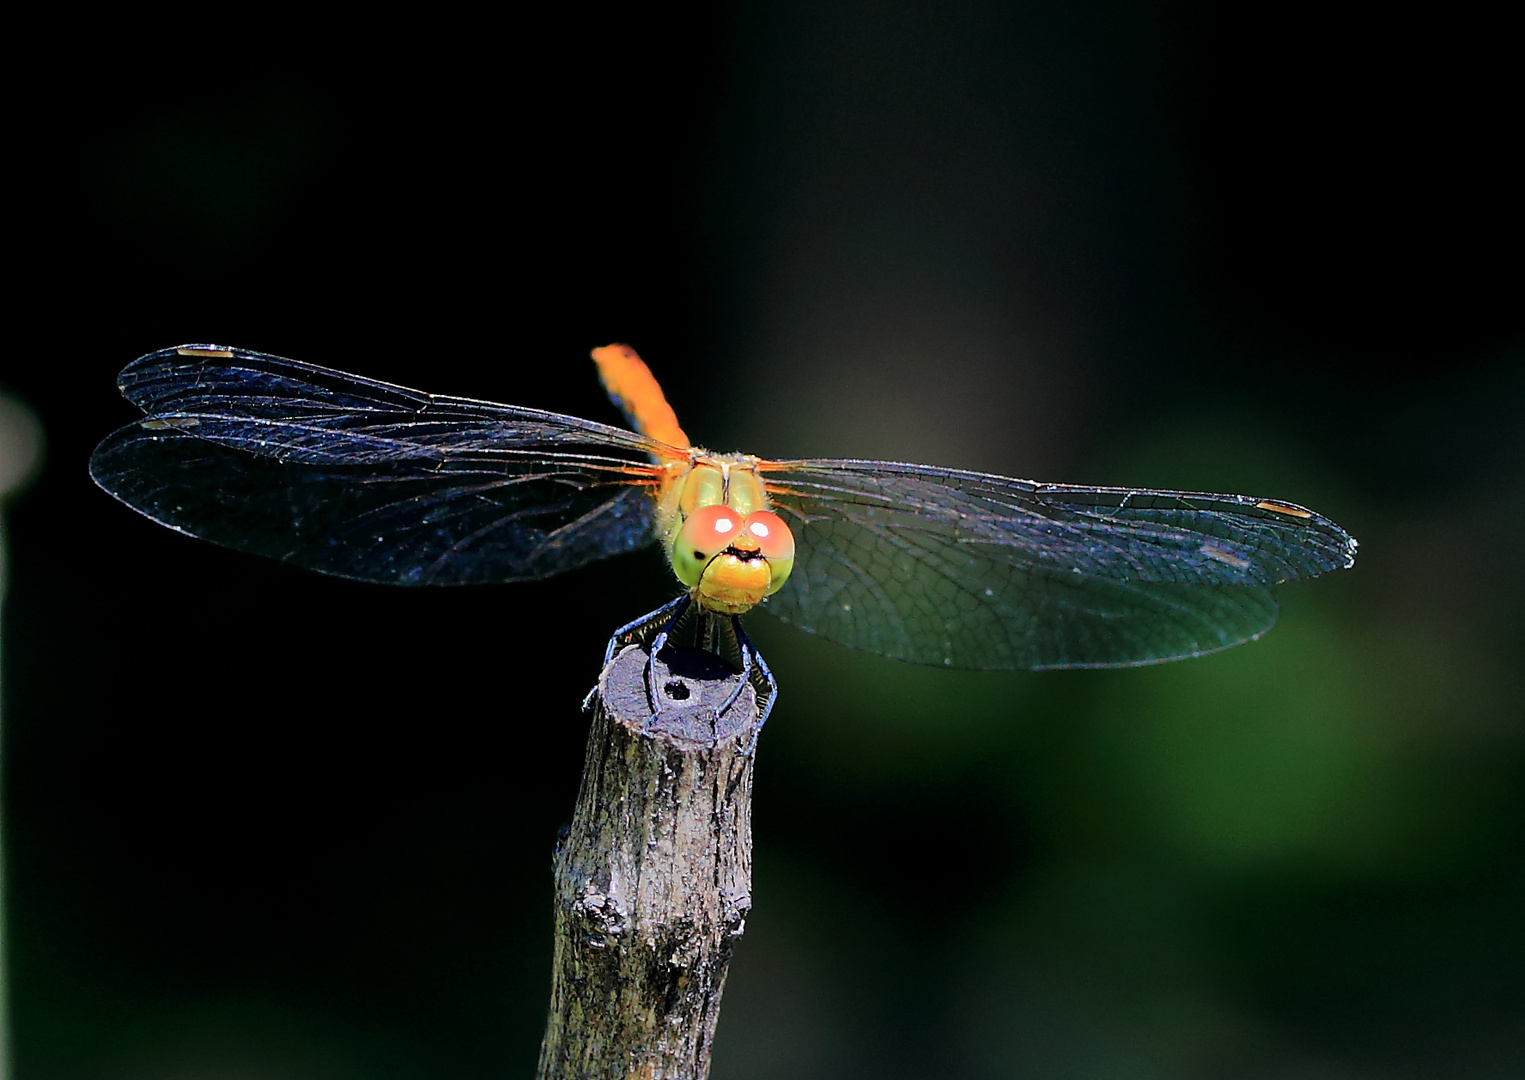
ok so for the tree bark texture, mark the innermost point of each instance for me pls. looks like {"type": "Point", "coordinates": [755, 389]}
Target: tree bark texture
{"type": "Point", "coordinates": [654, 880]}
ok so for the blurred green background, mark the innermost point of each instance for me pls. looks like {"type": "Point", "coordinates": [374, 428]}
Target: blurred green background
{"type": "Point", "coordinates": [262, 824]}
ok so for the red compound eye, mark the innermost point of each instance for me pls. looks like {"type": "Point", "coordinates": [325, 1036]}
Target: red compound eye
{"type": "Point", "coordinates": [773, 537]}
{"type": "Point", "coordinates": [704, 535]}
{"type": "Point", "coordinates": [711, 529]}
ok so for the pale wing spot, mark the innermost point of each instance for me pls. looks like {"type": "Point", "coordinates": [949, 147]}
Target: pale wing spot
{"type": "Point", "coordinates": [1228, 558]}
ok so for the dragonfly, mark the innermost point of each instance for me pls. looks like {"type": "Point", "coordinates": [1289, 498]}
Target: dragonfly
{"type": "Point", "coordinates": [367, 480]}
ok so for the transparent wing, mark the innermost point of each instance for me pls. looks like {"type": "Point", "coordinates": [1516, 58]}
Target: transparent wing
{"type": "Point", "coordinates": [283, 408]}
{"type": "Point", "coordinates": [367, 480]}
{"type": "Point", "coordinates": [963, 569]}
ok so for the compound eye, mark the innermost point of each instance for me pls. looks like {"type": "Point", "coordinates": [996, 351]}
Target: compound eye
{"type": "Point", "coordinates": [705, 534]}
{"type": "Point", "coordinates": [773, 537]}
{"type": "Point", "coordinates": [776, 543]}
{"type": "Point", "coordinates": [710, 531]}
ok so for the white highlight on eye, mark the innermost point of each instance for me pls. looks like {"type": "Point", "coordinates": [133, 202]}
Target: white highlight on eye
{"type": "Point", "coordinates": [724, 525]}
{"type": "Point", "coordinates": [758, 529]}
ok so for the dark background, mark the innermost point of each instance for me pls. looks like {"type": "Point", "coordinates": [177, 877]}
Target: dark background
{"type": "Point", "coordinates": [262, 824]}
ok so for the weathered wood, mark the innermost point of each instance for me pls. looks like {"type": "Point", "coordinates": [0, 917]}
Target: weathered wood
{"type": "Point", "coordinates": [654, 880]}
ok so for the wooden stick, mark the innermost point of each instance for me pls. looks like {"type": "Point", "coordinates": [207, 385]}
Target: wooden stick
{"type": "Point", "coordinates": [654, 880]}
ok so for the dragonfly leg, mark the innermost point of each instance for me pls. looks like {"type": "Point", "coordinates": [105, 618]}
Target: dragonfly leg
{"type": "Point", "coordinates": [755, 670]}
{"type": "Point", "coordinates": [679, 608]}
{"type": "Point", "coordinates": [633, 631]}
{"type": "Point", "coordinates": [747, 667]}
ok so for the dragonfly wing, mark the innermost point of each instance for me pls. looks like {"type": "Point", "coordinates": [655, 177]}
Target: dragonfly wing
{"type": "Point", "coordinates": [962, 569]}
{"type": "Point", "coordinates": [272, 406]}
{"type": "Point", "coordinates": [369, 481]}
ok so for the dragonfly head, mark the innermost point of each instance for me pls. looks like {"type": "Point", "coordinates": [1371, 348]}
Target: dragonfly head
{"type": "Point", "coordinates": [733, 561]}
